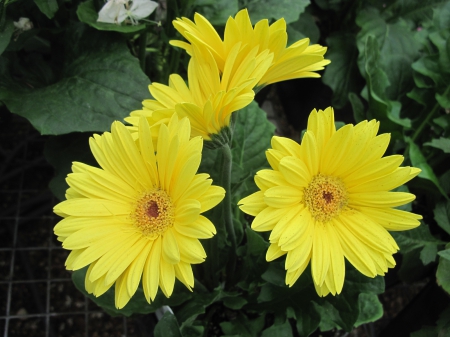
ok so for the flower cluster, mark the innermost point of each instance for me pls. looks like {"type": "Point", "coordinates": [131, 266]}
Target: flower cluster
{"type": "Point", "coordinates": [138, 218]}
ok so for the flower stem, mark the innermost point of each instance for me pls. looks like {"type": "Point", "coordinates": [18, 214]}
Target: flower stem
{"type": "Point", "coordinates": [227, 211]}
{"type": "Point", "coordinates": [142, 46]}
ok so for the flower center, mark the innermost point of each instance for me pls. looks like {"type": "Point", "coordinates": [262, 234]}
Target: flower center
{"type": "Point", "coordinates": [153, 213]}
{"type": "Point", "coordinates": [325, 197]}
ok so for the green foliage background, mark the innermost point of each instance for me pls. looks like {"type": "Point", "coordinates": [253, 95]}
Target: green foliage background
{"type": "Point", "coordinates": [71, 76]}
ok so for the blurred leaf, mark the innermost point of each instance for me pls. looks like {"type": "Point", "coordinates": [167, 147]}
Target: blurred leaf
{"type": "Point", "coordinates": [217, 12]}
{"type": "Point", "coordinates": [167, 326]}
{"type": "Point", "coordinates": [443, 272]}
{"type": "Point", "coordinates": [255, 243]}
{"type": "Point", "coordinates": [441, 143]}
{"type": "Point", "coordinates": [242, 326]}
{"type": "Point", "coordinates": [5, 35]}
{"type": "Point", "coordinates": [101, 82]}
{"type": "Point", "coordinates": [342, 74]}
{"type": "Point", "coordinates": [60, 152]}
{"type": "Point", "coordinates": [445, 254]}
{"type": "Point", "coordinates": [235, 303]}
{"type": "Point", "coordinates": [417, 10]}
{"type": "Point", "coordinates": [397, 49]}
{"type": "Point", "coordinates": [275, 9]}
{"type": "Point", "coordinates": [278, 330]}
{"type": "Point", "coordinates": [418, 160]}
{"type": "Point", "coordinates": [137, 304]}
{"type": "Point", "coordinates": [48, 7]}
{"type": "Point", "coordinates": [370, 309]}
{"type": "Point", "coordinates": [86, 13]}
{"type": "Point", "coordinates": [418, 238]}
{"type": "Point", "coordinates": [307, 320]}
{"type": "Point", "coordinates": [304, 27]}
{"type": "Point", "coordinates": [442, 215]}
{"type": "Point", "coordinates": [377, 81]}
{"type": "Point", "coordinates": [359, 113]}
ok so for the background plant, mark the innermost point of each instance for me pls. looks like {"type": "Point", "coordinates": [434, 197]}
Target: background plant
{"type": "Point", "coordinates": [71, 76]}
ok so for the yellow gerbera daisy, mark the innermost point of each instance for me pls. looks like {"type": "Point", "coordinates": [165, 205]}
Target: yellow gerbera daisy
{"type": "Point", "coordinates": [139, 215]}
{"type": "Point", "coordinates": [297, 61]}
{"type": "Point", "coordinates": [211, 97]}
{"type": "Point", "coordinates": [329, 198]}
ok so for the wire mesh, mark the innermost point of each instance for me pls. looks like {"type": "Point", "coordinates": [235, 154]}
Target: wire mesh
{"type": "Point", "coordinates": [37, 296]}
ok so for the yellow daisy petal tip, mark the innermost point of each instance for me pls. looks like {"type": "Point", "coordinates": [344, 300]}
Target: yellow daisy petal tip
{"type": "Point", "coordinates": [333, 202]}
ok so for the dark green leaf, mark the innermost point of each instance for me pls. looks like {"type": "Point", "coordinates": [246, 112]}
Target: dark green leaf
{"type": "Point", "coordinates": [86, 13]}
{"type": "Point", "coordinates": [370, 309]}
{"type": "Point", "coordinates": [358, 107]}
{"type": "Point", "coordinates": [48, 7]}
{"type": "Point", "coordinates": [418, 238]}
{"type": "Point", "coordinates": [218, 12]}
{"type": "Point", "coordinates": [442, 215]}
{"type": "Point", "coordinates": [445, 254]}
{"type": "Point", "coordinates": [5, 35]}
{"type": "Point", "coordinates": [275, 9]}
{"type": "Point", "coordinates": [137, 304]}
{"type": "Point", "coordinates": [342, 74]}
{"type": "Point", "coordinates": [441, 143]}
{"type": "Point", "coordinates": [416, 10]}
{"type": "Point", "coordinates": [304, 27]}
{"type": "Point", "coordinates": [307, 321]}
{"type": "Point", "coordinates": [377, 81]}
{"type": "Point", "coordinates": [242, 326]}
{"type": "Point", "coordinates": [443, 273]}
{"type": "Point", "coordinates": [235, 303]}
{"type": "Point", "coordinates": [167, 326]}
{"type": "Point", "coordinates": [101, 82]}
{"type": "Point", "coordinates": [278, 330]}
{"type": "Point", "coordinates": [418, 160]}
{"type": "Point", "coordinates": [255, 243]}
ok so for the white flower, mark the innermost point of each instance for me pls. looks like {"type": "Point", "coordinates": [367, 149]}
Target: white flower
{"type": "Point", "coordinates": [113, 12]}
{"type": "Point", "coordinates": [141, 9]}
{"type": "Point", "coordinates": [117, 11]}
{"type": "Point", "coordinates": [23, 24]}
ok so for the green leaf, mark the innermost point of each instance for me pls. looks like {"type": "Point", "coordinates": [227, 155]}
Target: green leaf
{"type": "Point", "coordinates": [218, 12]}
{"type": "Point", "coordinates": [137, 304]}
{"type": "Point", "coordinates": [307, 321]}
{"type": "Point", "coordinates": [441, 143]}
{"type": "Point", "coordinates": [255, 243]}
{"type": "Point", "coordinates": [86, 13]}
{"type": "Point", "coordinates": [167, 326]}
{"type": "Point", "coordinates": [101, 82]}
{"type": "Point", "coordinates": [251, 138]}
{"type": "Point", "coordinates": [48, 7]}
{"type": "Point", "coordinates": [304, 27]}
{"type": "Point", "coordinates": [242, 326]}
{"type": "Point", "coordinates": [275, 9]}
{"type": "Point", "coordinates": [443, 272]}
{"type": "Point", "coordinates": [418, 238]}
{"type": "Point", "coordinates": [445, 254]}
{"type": "Point", "coordinates": [342, 74]}
{"type": "Point", "coordinates": [359, 113]}
{"type": "Point", "coordinates": [278, 330]}
{"type": "Point", "coordinates": [442, 215]}
{"type": "Point", "coordinates": [235, 303]}
{"type": "Point", "coordinates": [417, 10]}
{"type": "Point", "coordinates": [418, 160]}
{"type": "Point", "coordinates": [5, 35]}
{"type": "Point", "coordinates": [370, 309]}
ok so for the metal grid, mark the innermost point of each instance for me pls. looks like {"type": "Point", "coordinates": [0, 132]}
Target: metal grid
{"type": "Point", "coordinates": [37, 296]}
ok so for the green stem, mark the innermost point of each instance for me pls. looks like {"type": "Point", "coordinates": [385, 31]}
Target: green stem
{"type": "Point", "coordinates": [142, 46]}
{"type": "Point", "coordinates": [227, 211]}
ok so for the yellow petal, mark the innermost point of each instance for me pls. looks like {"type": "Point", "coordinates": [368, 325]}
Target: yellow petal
{"type": "Point", "coordinates": [283, 196]}
{"type": "Point", "coordinates": [170, 249]}
{"type": "Point", "coordinates": [253, 204]}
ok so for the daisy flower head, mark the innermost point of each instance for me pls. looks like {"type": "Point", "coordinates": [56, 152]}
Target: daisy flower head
{"type": "Point", "coordinates": [138, 217]}
{"type": "Point", "coordinates": [209, 98]}
{"type": "Point", "coordinates": [329, 199]}
{"type": "Point", "coordinates": [296, 61]}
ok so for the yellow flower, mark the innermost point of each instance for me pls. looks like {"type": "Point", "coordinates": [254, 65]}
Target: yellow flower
{"type": "Point", "coordinates": [329, 198]}
{"type": "Point", "coordinates": [297, 61]}
{"type": "Point", "coordinates": [139, 215]}
{"type": "Point", "coordinates": [211, 96]}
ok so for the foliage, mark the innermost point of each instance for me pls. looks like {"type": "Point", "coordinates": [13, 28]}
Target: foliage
{"type": "Point", "coordinates": [71, 76]}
